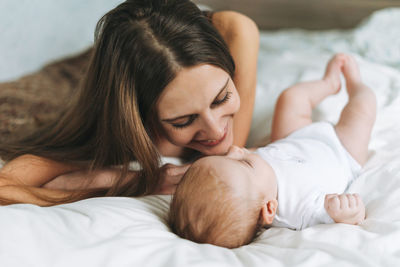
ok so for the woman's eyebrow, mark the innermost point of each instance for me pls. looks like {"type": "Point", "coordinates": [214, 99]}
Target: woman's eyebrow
{"type": "Point", "coordinates": [183, 116]}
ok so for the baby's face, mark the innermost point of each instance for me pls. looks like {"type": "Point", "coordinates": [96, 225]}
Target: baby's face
{"type": "Point", "coordinates": [247, 173]}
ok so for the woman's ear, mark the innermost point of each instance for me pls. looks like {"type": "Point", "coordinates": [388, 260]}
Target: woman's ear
{"type": "Point", "coordinates": [268, 211]}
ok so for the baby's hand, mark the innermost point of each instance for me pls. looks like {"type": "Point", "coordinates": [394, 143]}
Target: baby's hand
{"type": "Point", "coordinates": [345, 208]}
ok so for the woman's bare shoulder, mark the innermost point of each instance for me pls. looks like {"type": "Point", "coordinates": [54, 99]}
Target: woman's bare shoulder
{"type": "Point", "coordinates": [232, 24]}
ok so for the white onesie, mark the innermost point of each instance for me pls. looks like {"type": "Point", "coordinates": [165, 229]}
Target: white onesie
{"type": "Point", "coordinates": [309, 163]}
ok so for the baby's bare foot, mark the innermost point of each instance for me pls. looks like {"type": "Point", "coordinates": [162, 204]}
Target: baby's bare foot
{"type": "Point", "coordinates": [332, 73]}
{"type": "Point", "coordinates": [351, 73]}
{"type": "Point", "coordinates": [345, 208]}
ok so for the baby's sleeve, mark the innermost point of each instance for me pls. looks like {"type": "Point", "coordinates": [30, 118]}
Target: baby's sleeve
{"type": "Point", "coordinates": [324, 217]}
{"type": "Point", "coordinates": [319, 215]}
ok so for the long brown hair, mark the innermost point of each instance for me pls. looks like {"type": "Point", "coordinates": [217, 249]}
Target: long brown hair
{"type": "Point", "coordinates": [139, 47]}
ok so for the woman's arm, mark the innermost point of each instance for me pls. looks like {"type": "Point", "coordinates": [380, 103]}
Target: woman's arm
{"type": "Point", "coordinates": [105, 178]}
{"type": "Point", "coordinates": [242, 37]}
{"type": "Point", "coordinates": [30, 170]}
{"type": "Point", "coordinates": [14, 194]}
{"type": "Point", "coordinates": [21, 179]}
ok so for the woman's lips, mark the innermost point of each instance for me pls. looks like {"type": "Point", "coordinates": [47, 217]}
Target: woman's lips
{"type": "Point", "coordinates": [213, 142]}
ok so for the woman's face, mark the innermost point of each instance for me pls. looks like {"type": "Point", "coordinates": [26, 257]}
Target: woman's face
{"type": "Point", "coordinates": [196, 109]}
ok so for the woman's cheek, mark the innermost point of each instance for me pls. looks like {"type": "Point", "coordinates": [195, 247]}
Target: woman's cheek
{"type": "Point", "coordinates": [235, 106]}
{"type": "Point", "coordinates": [180, 137]}
{"type": "Point", "coordinates": [185, 138]}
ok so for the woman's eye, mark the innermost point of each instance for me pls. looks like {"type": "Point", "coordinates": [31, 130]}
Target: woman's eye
{"type": "Point", "coordinates": [220, 101]}
{"type": "Point", "coordinates": [186, 123]}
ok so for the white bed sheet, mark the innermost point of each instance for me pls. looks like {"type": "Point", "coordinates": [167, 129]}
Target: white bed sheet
{"type": "Point", "coordinates": [133, 232]}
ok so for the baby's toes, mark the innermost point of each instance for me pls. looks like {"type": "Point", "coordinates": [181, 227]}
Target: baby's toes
{"type": "Point", "coordinates": [339, 58]}
{"type": "Point", "coordinates": [332, 73]}
{"type": "Point", "coordinates": [351, 72]}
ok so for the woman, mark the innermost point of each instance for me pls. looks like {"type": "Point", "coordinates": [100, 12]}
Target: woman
{"type": "Point", "coordinates": [161, 81]}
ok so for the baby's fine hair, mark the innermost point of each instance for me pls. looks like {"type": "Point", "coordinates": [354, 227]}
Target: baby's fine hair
{"type": "Point", "coordinates": [205, 209]}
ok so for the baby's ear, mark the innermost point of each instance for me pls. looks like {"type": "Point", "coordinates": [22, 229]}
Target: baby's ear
{"type": "Point", "coordinates": [268, 211]}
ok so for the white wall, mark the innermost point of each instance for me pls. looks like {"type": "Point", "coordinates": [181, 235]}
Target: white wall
{"type": "Point", "coordinates": [34, 32]}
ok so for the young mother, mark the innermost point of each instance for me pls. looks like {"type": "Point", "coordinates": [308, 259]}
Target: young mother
{"type": "Point", "coordinates": [165, 79]}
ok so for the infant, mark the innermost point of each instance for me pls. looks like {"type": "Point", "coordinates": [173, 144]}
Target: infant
{"type": "Point", "coordinates": [225, 200]}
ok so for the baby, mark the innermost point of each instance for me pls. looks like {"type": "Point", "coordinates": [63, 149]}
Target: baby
{"type": "Point", "coordinates": [225, 200]}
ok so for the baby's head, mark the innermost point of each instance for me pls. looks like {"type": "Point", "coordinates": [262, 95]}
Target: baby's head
{"type": "Point", "coordinates": [224, 200]}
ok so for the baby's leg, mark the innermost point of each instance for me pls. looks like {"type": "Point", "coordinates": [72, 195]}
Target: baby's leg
{"type": "Point", "coordinates": [345, 208]}
{"type": "Point", "coordinates": [294, 107]}
{"type": "Point", "coordinates": [358, 116]}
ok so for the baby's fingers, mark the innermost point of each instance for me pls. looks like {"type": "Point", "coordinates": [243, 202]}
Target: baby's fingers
{"type": "Point", "coordinates": [358, 199]}
{"type": "Point", "coordinates": [351, 200]}
{"type": "Point", "coordinates": [344, 201]}
{"type": "Point", "coordinates": [332, 202]}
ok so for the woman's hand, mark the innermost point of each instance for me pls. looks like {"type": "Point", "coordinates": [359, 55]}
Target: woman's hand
{"type": "Point", "coordinates": [171, 175]}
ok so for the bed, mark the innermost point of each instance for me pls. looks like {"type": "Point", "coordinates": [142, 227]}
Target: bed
{"type": "Point", "coordinates": [123, 231]}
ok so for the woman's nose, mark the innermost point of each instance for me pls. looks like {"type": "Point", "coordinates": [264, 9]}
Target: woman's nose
{"type": "Point", "coordinates": [215, 129]}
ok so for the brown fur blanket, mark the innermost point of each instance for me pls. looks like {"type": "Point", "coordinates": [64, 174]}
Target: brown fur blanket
{"type": "Point", "coordinates": [34, 99]}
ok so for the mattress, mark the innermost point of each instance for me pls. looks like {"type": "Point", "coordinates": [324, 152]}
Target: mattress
{"type": "Point", "coordinates": [120, 231]}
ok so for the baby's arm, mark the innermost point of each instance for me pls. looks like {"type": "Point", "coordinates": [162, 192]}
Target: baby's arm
{"type": "Point", "coordinates": [294, 106]}
{"type": "Point", "coordinates": [345, 208]}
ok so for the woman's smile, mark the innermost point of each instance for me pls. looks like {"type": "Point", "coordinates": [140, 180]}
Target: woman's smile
{"type": "Point", "coordinates": [196, 109]}
{"type": "Point", "coordinates": [211, 143]}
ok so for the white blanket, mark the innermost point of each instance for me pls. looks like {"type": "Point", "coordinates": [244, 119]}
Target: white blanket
{"type": "Point", "coordinates": [133, 231]}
